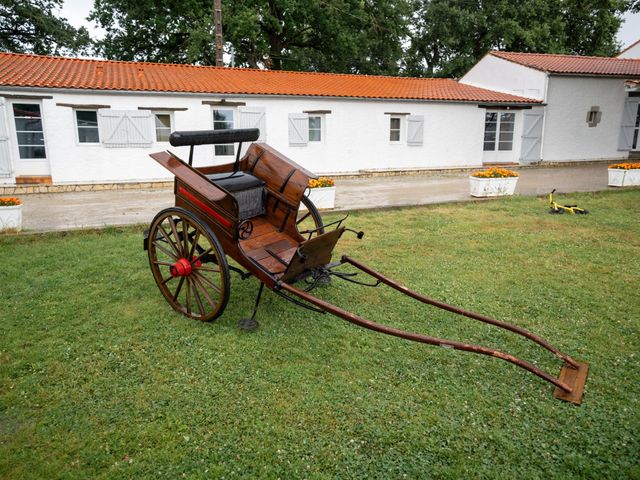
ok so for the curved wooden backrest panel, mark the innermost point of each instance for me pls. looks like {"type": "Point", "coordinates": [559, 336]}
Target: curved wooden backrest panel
{"type": "Point", "coordinates": [285, 180]}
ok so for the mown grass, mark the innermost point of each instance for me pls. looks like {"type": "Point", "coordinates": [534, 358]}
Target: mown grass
{"type": "Point", "coordinates": [99, 378]}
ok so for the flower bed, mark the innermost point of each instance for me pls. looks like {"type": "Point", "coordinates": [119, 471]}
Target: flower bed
{"type": "Point", "coordinates": [624, 174]}
{"type": "Point", "coordinates": [493, 182]}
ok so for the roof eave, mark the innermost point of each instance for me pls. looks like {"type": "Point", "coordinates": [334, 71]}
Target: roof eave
{"type": "Point", "coordinates": [249, 95]}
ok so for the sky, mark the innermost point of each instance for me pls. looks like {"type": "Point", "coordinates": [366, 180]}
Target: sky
{"type": "Point", "coordinates": [76, 12]}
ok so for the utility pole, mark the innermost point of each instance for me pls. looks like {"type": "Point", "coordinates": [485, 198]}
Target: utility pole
{"type": "Point", "coordinates": [217, 18]}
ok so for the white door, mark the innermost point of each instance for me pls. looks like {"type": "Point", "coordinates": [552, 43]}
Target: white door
{"type": "Point", "coordinates": [31, 151]}
{"type": "Point", "coordinates": [6, 167]}
{"type": "Point", "coordinates": [499, 137]}
{"type": "Point", "coordinates": [531, 136]}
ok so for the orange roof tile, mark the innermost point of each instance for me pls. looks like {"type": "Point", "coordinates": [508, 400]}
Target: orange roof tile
{"type": "Point", "coordinates": [575, 64]}
{"type": "Point", "coordinates": [21, 70]}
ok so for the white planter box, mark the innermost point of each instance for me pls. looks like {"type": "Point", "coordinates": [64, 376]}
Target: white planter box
{"type": "Point", "coordinates": [492, 187]}
{"type": "Point", "coordinates": [324, 197]}
{"type": "Point", "coordinates": [624, 178]}
{"type": "Point", "coordinates": [11, 218]}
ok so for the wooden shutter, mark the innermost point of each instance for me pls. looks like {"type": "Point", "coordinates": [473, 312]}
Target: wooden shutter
{"type": "Point", "coordinates": [5, 152]}
{"type": "Point", "coordinates": [126, 128]}
{"type": "Point", "coordinates": [298, 129]}
{"type": "Point", "coordinates": [254, 117]}
{"type": "Point", "coordinates": [530, 150]}
{"type": "Point", "coordinates": [625, 140]}
{"type": "Point", "coordinates": [415, 129]}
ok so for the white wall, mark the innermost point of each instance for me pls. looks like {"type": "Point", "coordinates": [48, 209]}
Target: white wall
{"type": "Point", "coordinates": [356, 136]}
{"type": "Point", "coordinates": [504, 76]}
{"type": "Point", "coordinates": [632, 52]}
{"type": "Point", "coordinates": [567, 136]}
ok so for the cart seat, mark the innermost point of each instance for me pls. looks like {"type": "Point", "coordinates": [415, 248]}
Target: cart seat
{"type": "Point", "coordinates": [247, 189]}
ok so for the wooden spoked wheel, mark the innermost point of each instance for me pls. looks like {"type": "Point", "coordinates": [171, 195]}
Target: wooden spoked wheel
{"type": "Point", "coordinates": [309, 219]}
{"type": "Point", "coordinates": [188, 264]}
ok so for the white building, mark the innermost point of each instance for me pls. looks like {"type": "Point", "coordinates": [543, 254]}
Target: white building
{"type": "Point", "coordinates": [632, 51]}
{"type": "Point", "coordinates": [588, 111]}
{"type": "Point", "coordinates": [93, 121]}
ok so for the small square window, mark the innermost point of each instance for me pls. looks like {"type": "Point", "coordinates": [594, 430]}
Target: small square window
{"type": "Point", "coordinates": [87, 124]}
{"type": "Point", "coordinates": [394, 129]}
{"type": "Point", "coordinates": [163, 126]}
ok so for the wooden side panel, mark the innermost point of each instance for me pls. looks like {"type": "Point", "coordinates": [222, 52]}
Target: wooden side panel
{"type": "Point", "coordinates": [197, 194]}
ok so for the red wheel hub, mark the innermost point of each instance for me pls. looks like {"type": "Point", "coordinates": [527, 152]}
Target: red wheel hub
{"type": "Point", "coordinates": [183, 267]}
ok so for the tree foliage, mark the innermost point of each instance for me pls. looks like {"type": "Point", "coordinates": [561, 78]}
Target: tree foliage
{"type": "Point", "coordinates": [363, 36]}
{"type": "Point", "coordinates": [178, 31]}
{"type": "Point", "coordinates": [31, 26]}
{"type": "Point", "coordinates": [355, 36]}
{"type": "Point", "coordinates": [410, 37]}
{"type": "Point", "coordinates": [449, 36]}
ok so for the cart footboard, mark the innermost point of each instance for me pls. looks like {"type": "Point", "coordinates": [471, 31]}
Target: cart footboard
{"type": "Point", "coordinates": [569, 385]}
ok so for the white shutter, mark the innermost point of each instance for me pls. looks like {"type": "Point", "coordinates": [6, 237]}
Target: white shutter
{"type": "Point", "coordinates": [254, 117]}
{"type": "Point", "coordinates": [625, 140]}
{"type": "Point", "coordinates": [531, 137]}
{"type": "Point", "coordinates": [415, 129]}
{"type": "Point", "coordinates": [298, 129]}
{"type": "Point", "coordinates": [126, 128]}
{"type": "Point", "coordinates": [5, 152]}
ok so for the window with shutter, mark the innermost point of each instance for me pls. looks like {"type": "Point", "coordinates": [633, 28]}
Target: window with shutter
{"type": "Point", "coordinates": [126, 128]}
{"type": "Point", "coordinates": [298, 129]}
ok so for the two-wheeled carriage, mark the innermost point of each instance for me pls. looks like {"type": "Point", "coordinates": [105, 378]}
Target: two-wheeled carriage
{"type": "Point", "coordinates": [253, 210]}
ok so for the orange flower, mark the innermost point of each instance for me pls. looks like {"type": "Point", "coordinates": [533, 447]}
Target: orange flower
{"type": "Point", "coordinates": [625, 166]}
{"type": "Point", "coordinates": [9, 201]}
{"type": "Point", "coordinates": [495, 173]}
{"type": "Point", "coordinates": [321, 182]}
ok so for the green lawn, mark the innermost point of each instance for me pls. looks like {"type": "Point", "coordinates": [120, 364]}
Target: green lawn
{"type": "Point", "coordinates": [99, 378]}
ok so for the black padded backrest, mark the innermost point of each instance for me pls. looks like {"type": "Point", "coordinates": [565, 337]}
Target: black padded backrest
{"type": "Point", "coordinates": [210, 137]}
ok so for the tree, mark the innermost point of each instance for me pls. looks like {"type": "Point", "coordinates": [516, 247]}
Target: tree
{"type": "Point", "coordinates": [179, 31]}
{"type": "Point", "coordinates": [350, 36]}
{"type": "Point", "coordinates": [30, 26]}
{"type": "Point", "coordinates": [363, 36]}
{"type": "Point", "coordinates": [449, 36]}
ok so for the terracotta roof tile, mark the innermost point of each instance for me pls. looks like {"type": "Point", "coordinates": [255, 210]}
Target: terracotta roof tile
{"type": "Point", "coordinates": [20, 70]}
{"type": "Point", "coordinates": [575, 64]}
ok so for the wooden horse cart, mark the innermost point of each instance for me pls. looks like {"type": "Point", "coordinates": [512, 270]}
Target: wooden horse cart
{"type": "Point", "coordinates": [255, 211]}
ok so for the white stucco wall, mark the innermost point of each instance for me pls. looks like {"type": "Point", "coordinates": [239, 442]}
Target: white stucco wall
{"type": "Point", "coordinates": [567, 136]}
{"type": "Point", "coordinates": [631, 52]}
{"type": "Point", "coordinates": [498, 74]}
{"type": "Point", "coordinates": [356, 135]}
